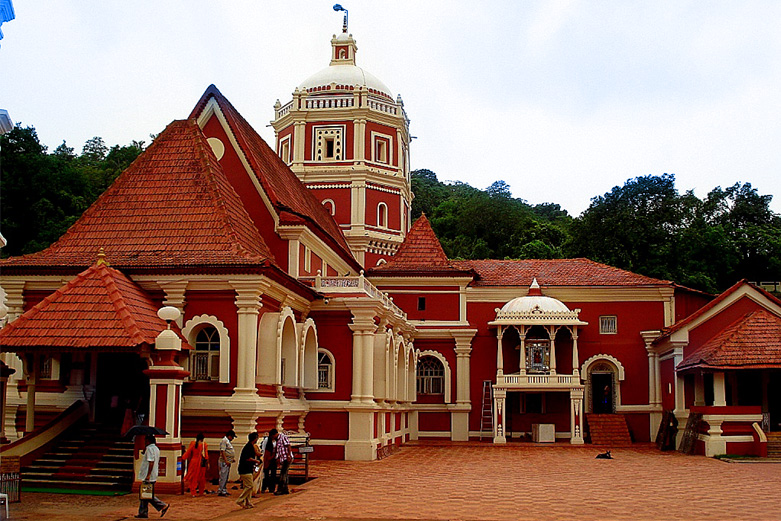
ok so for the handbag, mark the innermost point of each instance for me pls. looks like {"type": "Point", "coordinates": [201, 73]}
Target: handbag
{"type": "Point", "coordinates": [146, 490]}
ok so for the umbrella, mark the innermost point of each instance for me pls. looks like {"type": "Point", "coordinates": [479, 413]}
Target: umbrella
{"type": "Point", "coordinates": [142, 430]}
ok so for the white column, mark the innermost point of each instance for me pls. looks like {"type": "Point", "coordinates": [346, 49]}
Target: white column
{"type": "Point", "coordinates": [499, 419]}
{"type": "Point", "coordinates": [459, 417]}
{"type": "Point", "coordinates": [248, 303]}
{"type": "Point", "coordinates": [719, 390]}
{"type": "Point", "coordinates": [32, 364]}
{"type": "Point", "coordinates": [575, 356]}
{"type": "Point", "coordinates": [175, 296]}
{"type": "Point", "coordinates": [499, 354]}
{"type": "Point", "coordinates": [576, 416]}
{"type": "Point", "coordinates": [699, 389]}
{"type": "Point", "coordinates": [522, 352]}
{"type": "Point", "coordinates": [552, 337]}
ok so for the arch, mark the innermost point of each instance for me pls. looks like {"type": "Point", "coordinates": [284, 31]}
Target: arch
{"type": "Point", "coordinates": [330, 205]}
{"type": "Point", "coordinates": [308, 360]}
{"type": "Point", "coordinates": [619, 368]}
{"type": "Point", "coordinates": [288, 349]}
{"type": "Point", "coordinates": [326, 370]}
{"type": "Point", "coordinates": [607, 371]}
{"type": "Point", "coordinates": [382, 215]}
{"type": "Point", "coordinates": [401, 373]}
{"type": "Point", "coordinates": [445, 366]}
{"type": "Point", "coordinates": [193, 326]}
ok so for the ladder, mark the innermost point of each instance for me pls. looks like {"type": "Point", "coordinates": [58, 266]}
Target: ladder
{"type": "Point", "coordinates": [487, 416]}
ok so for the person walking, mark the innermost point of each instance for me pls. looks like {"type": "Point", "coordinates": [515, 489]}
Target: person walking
{"type": "Point", "coordinates": [269, 466]}
{"type": "Point", "coordinates": [247, 461]}
{"type": "Point", "coordinates": [227, 458]}
{"type": "Point", "coordinates": [283, 455]}
{"type": "Point", "coordinates": [147, 472]}
{"type": "Point", "coordinates": [197, 458]}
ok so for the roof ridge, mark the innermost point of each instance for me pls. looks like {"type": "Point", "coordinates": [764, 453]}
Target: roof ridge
{"type": "Point", "coordinates": [117, 300]}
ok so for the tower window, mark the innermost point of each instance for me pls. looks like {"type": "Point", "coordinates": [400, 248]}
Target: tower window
{"type": "Point", "coordinates": [330, 206]}
{"type": "Point", "coordinates": [381, 151]}
{"type": "Point", "coordinates": [284, 150]}
{"type": "Point", "coordinates": [328, 143]}
{"type": "Point", "coordinates": [382, 215]}
{"type": "Point", "coordinates": [329, 148]}
{"type": "Point", "coordinates": [421, 303]}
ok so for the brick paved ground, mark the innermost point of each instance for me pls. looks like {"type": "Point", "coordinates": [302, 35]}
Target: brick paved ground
{"type": "Point", "coordinates": [481, 482]}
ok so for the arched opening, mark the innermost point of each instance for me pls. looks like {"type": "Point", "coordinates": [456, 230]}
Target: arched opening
{"type": "Point", "coordinates": [205, 360]}
{"type": "Point", "coordinates": [602, 388]}
{"type": "Point", "coordinates": [325, 370]}
{"type": "Point", "coordinates": [330, 205]}
{"type": "Point", "coordinates": [382, 215]}
{"type": "Point", "coordinates": [309, 356]}
{"type": "Point", "coordinates": [431, 376]}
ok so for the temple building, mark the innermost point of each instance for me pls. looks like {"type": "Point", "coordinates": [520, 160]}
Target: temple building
{"type": "Point", "coordinates": [222, 283]}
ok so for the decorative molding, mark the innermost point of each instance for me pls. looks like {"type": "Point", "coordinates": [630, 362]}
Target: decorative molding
{"type": "Point", "coordinates": [190, 330]}
{"type": "Point", "coordinates": [602, 357]}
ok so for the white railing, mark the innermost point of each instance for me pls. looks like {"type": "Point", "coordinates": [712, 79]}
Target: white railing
{"type": "Point", "coordinates": [382, 106]}
{"type": "Point", "coordinates": [529, 380]}
{"type": "Point", "coordinates": [536, 314]}
{"type": "Point", "coordinates": [284, 109]}
{"type": "Point", "coordinates": [330, 102]}
{"type": "Point", "coordinates": [353, 284]}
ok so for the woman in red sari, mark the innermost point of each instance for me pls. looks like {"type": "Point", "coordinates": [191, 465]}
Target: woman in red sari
{"type": "Point", "coordinates": [197, 458]}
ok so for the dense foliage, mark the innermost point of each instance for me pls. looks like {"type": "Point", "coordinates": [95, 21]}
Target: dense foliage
{"type": "Point", "coordinates": [44, 193]}
{"type": "Point", "coordinates": [645, 226]}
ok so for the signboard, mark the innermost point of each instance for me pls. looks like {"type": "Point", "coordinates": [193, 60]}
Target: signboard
{"type": "Point", "coordinates": [305, 449]}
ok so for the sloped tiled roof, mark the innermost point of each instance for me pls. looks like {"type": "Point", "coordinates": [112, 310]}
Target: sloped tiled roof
{"type": "Point", "coordinates": [710, 305]}
{"type": "Point", "coordinates": [173, 207]}
{"type": "Point", "coordinates": [557, 272]}
{"type": "Point", "coordinates": [752, 342]}
{"type": "Point", "coordinates": [99, 308]}
{"type": "Point", "coordinates": [420, 252]}
{"type": "Point", "coordinates": [293, 202]}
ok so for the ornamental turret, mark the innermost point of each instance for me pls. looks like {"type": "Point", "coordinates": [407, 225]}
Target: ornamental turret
{"type": "Point", "coordinates": [347, 139]}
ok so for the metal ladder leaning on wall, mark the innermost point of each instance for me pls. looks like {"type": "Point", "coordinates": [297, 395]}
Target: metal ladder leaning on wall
{"type": "Point", "coordinates": [487, 415]}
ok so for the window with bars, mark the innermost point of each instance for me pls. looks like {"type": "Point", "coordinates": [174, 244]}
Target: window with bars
{"type": "Point", "coordinates": [608, 325]}
{"type": "Point", "coordinates": [431, 376]}
{"type": "Point", "coordinates": [205, 359]}
{"type": "Point", "coordinates": [325, 371]}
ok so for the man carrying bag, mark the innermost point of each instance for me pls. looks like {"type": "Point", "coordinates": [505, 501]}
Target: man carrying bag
{"type": "Point", "coordinates": [147, 474]}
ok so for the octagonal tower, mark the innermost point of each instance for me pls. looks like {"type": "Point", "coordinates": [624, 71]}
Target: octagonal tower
{"type": "Point", "coordinates": [347, 139]}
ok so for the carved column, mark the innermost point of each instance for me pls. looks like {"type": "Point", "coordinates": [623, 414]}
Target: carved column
{"type": "Point", "coordinates": [552, 337]}
{"type": "Point", "coordinates": [361, 444]}
{"type": "Point", "coordinates": [500, 396]}
{"type": "Point", "coordinates": [575, 356]}
{"type": "Point", "coordinates": [522, 361]}
{"type": "Point", "coordinates": [32, 364]}
{"type": "Point", "coordinates": [499, 354]}
{"type": "Point", "coordinates": [175, 297]}
{"type": "Point", "coordinates": [5, 372]}
{"type": "Point", "coordinates": [576, 416]}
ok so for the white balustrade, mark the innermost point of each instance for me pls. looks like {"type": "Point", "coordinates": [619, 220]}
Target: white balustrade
{"type": "Point", "coordinates": [353, 284]}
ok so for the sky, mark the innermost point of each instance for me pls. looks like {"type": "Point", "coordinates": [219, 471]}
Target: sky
{"type": "Point", "coordinates": [561, 100]}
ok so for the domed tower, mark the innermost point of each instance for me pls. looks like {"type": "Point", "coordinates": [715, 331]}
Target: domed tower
{"type": "Point", "coordinates": [347, 139]}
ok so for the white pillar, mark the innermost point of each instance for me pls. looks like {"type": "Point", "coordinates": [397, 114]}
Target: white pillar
{"type": "Point", "coordinates": [32, 364]}
{"type": "Point", "coordinates": [576, 416]}
{"type": "Point", "coordinates": [575, 356]}
{"type": "Point", "coordinates": [499, 354]}
{"type": "Point", "coordinates": [719, 390]}
{"type": "Point", "coordinates": [699, 389]}
{"type": "Point", "coordinates": [459, 417]}
{"type": "Point", "coordinates": [552, 337]}
{"type": "Point", "coordinates": [522, 353]}
{"type": "Point", "coordinates": [248, 295]}
{"type": "Point", "coordinates": [500, 396]}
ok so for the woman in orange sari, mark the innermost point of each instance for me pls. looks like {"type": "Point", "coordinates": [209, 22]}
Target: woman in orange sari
{"type": "Point", "coordinates": [197, 458]}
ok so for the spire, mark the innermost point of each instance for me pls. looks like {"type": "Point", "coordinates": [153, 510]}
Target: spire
{"type": "Point", "coordinates": [343, 46]}
{"type": "Point", "coordinates": [534, 289]}
{"type": "Point", "coordinates": [337, 8]}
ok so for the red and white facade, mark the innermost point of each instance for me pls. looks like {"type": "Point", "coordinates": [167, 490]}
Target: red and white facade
{"type": "Point", "coordinates": [289, 319]}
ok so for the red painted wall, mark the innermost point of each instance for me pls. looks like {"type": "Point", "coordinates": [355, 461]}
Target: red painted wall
{"type": "Point", "coordinates": [348, 147]}
{"type": "Point", "coordinates": [439, 305]}
{"type": "Point", "coordinates": [393, 151]}
{"type": "Point", "coordinates": [707, 330]}
{"type": "Point", "coordinates": [335, 336]}
{"type": "Point", "coordinates": [392, 201]}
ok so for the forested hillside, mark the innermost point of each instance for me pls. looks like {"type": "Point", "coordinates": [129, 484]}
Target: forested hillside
{"type": "Point", "coordinates": [645, 226]}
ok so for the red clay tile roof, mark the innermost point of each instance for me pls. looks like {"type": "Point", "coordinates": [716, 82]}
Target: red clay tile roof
{"type": "Point", "coordinates": [420, 252]}
{"type": "Point", "coordinates": [172, 207]}
{"type": "Point", "coordinates": [99, 308]}
{"type": "Point", "coordinates": [710, 305]}
{"type": "Point", "coordinates": [291, 199]}
{"type": "Point", "coordinates": [752, 342]}
{"type": "Point", "coordinates": [558, 272]}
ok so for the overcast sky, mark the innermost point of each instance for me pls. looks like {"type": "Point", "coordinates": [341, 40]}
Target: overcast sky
{"type": "Point", "coordinates": [562, 100]}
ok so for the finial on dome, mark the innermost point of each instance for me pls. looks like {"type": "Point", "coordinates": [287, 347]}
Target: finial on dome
{"type": "Point", "coordinates": [534, 289]}
{"type": "Point", "coordinates": [338, 7]}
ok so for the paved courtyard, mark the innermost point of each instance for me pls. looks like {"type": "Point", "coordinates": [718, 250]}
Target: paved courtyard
{"type": "Point", "coordinates": [471, 481]}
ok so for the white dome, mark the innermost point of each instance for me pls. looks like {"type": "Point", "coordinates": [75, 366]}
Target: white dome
{"type": "Point", "coordinates": [528, 304]}
{"type": "Point", "coordinates": [343, 74]}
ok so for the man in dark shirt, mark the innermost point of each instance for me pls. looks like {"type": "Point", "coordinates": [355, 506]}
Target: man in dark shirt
{"type": "Point", "coordinates": [247, 461]}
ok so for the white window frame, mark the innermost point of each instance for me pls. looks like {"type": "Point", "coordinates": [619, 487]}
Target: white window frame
{"type": "Point", "coordinates": [284, 149]}
{"type": "Point", "coordinates": [190, 331]}
{"type": "Point", "coordinates": [323, 134]}
{"type": "Point", "coordinates": [443, 360]}
{"type": "Point", "coordinates": [388, 139]}
{"type": "Point", "coordinates": [382, 217]}
{"type": "Point", "coordinates": [608, 325]}
{"type": "Point", "coordinates": [330, 205]}
{"type": "Point", "coordinates": [331, 374]}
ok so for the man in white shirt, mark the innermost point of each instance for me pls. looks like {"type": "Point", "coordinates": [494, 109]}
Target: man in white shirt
{"type": "Point", "coordinates": [227, 458]}
{"type": "Point", "coordinates": [147, 472]}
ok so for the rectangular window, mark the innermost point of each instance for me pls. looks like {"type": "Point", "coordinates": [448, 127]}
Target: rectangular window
{"type": "Point", "coordinates": [284, 151]}
{"type": "Point", "coordinates": [307, 259]}
{"type": "Point", "coordinates": [329, 148]}
{"type": "Point", "coordinates": [381, 151]}
{"type": "Point", "coordinates": [608, 325]}
{"type": "Point", "coordinates": [421, 303]}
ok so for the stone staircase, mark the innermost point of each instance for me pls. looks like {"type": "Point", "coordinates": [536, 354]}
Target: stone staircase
{"type": "Point", "coordinates": [92, 458]}
{"type": "Point", "coordinates": [774, 445]}
{"type": "Point", "coordinates": [608, 430]}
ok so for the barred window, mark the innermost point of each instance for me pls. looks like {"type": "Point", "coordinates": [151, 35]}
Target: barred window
{"type": "Point", "coordinates": [205, 360]}
{"type": "Point", "coordinates": [608, 325]}
{"type": "Point", "coordinates": [325, 371]}
{"type": "Point", "coordinates": [431, 376]}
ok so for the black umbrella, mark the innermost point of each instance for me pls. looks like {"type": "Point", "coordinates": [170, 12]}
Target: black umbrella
{"type": "Point", "coordinates": [143, 430]}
